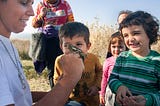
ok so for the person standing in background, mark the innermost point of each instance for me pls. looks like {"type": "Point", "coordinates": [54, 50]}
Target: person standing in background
{"type": "Point", "coordinates": [122, 15]}
{"type": "Point", "coordinates": [50, 16]}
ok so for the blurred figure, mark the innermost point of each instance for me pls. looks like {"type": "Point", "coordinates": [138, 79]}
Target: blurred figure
{"type": "Point", "coordinates": [122, 15]}
{"type": "Point", "coordinates": [50, 16]}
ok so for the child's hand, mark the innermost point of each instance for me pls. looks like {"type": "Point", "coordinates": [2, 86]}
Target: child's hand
{"type": "Point", "coordinates": [92, 91]}
{"type": "Point", "coordinates": [134, 101]}
{"type": "Point", "coordinates": [43, 12]}
{"type": "Point", "coordinates": [139, 99]}
{"type": "Point", "coordinates": [102, 100]}
{"type": "Point", "coordinates": [122, 92]}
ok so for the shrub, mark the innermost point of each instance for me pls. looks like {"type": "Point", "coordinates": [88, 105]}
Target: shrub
{"type": "Point", "coordinates": [22, 47]}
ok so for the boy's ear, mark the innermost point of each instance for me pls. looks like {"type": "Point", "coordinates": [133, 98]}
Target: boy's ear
{"type": "Point", "coordinates": [89, 45]}
{"type": "Point", "coordinates": [61, 46]}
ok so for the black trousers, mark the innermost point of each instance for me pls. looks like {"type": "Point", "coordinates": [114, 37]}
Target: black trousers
{"type": "Point", "coordinates": [52, 51]}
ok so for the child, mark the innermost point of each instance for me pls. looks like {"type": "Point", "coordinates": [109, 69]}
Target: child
{"type": "Point", "coordinates": [121, 16]}
{"type": "Point", "coordinates": [86, 90]}
{"type": "Point", "coordinates": [116, 45]}
{"type": "Point", "coordinates": [136, 75]}
{"type": "Point", "coordinates": [50, 15]}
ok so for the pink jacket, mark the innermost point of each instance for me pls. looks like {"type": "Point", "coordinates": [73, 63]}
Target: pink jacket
{"type": "Point", "coordinates": [107, 69]}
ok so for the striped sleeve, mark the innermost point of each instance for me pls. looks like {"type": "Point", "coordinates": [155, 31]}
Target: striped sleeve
{"type": "Point", "coordinates": [140, 75]}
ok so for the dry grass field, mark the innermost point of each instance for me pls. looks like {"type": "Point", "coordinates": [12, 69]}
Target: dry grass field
{"type": "Point", "coordinates": [99, 39]}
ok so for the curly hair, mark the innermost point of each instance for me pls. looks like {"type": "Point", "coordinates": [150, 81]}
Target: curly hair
{"type": "Point", "coordinates": [148, 22]}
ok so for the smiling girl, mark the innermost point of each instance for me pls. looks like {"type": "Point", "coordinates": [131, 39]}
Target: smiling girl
{"type": "Point", "coordinates": [116, 46]}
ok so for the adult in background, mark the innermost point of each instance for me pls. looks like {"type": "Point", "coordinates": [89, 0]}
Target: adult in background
{"type": "Point", "coordinates": [50, 15]}
{"type": "Point", "coordinates": [14, 89]}
{"type": "Point", "coordinates": [122, 15]}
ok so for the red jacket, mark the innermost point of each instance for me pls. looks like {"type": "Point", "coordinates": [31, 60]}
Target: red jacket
{"type": "Point", "coordinates": [57, 14]}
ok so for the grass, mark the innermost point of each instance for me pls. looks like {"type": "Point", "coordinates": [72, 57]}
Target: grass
{"type": "Point", "coordinates": [37, 82]}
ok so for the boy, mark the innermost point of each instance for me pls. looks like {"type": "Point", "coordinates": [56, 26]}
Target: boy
{"type": "Point", "coordinates": [86, 91]}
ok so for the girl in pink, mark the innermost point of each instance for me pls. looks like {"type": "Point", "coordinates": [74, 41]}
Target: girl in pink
{"type": "Point", "coordinates": [116, 46]}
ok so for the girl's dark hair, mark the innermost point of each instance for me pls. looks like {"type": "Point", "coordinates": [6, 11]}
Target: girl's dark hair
{"type": "Point", "coordinates": [115, 37]}
{"type": "Point", "coordinates": [148, 22]}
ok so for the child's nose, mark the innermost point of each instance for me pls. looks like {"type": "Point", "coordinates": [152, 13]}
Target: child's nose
{"type": "Point", "coordinates": [116, 48]}
{"type": "Point", "coordinates": [131, 38]}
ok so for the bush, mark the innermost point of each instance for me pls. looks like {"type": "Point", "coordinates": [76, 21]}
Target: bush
{"type": "Point", "coordinates": [22, 47]}
{"type": "Point", "coordinates": [99, 37]}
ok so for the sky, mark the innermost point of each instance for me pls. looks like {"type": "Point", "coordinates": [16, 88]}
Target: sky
{"type": "Point", "coordinates": [103, 11]}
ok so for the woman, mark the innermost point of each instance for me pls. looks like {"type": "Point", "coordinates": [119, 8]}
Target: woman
{"type": "Point", "coordinates": [14, 89]}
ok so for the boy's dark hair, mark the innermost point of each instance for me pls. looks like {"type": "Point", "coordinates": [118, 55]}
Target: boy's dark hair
{"type": "Point", "coordinates": [71, 29]}
{"type": "Point", "coordinates": [148, 22]}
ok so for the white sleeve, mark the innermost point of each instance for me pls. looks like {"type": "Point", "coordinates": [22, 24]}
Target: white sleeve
{"type": "Point", "coordinates": [5, 93]}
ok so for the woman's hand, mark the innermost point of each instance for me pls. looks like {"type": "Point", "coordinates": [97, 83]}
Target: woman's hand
{"type": "Point", "coordinates": [72, 66]}
{"type": "Point", "coordinates": [43, 12]}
